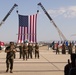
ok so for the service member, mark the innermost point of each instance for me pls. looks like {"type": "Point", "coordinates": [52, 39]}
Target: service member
{"type": "Point", "coordinates": [10, 50]}
{"type": "Point", "coordinates": [30, 49]}
{"type": "Point", "coordinates": [37, 50]}
{"type": "Point", "coordinates": [25, 51]}
{"type": "Point", "coordinates": [21, 50]}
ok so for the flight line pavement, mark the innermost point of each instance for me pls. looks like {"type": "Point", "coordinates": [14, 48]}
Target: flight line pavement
{"type": "Point", "coordinates": [48, 64]}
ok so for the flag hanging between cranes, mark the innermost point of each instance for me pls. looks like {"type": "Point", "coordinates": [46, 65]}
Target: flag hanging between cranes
{"type": "Point", "coordinates": [27, 28]}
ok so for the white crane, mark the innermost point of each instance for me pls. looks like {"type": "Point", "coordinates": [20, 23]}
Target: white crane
{"type": "Point", "coordinates": [15, 5]}
{"type": "Point", "coordinates": [60, 33]}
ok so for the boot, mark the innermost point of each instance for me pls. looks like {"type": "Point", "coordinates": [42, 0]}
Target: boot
{"type": "Point", "coordinates": [11, 71]}
{"type": "Point", "coordinates": [7, 70]}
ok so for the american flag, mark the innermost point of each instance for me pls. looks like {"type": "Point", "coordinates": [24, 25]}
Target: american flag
{"type": "Point", "coordinates": [27, 28]}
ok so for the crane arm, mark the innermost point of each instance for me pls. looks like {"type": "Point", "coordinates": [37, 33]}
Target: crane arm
{"type": "Point", "coordinates": [8, 14]}
{"type": "Point", "coordinates": [60, 33]}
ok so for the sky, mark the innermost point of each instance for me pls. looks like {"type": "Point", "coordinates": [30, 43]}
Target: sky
{"type": "Point", "coordinates": [63, 13]}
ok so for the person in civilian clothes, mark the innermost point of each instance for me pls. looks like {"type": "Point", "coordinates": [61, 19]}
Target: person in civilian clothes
{"type": "Point", "coordinates": [63, 49]}
{"type": "Point", "coordinates": [70, 48]}
{"type": "Point", "coordinates": [57, 48]}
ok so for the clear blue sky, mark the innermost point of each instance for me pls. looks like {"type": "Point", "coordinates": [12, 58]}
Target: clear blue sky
{"type": "Point", "coordinates": [63, 13]}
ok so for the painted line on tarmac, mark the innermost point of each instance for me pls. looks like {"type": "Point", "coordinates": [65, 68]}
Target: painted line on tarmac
{"type": "Point", "coordinates": [2, 72]}
{"type": "Point", "coordinates": [50, 62]}
{"type": "Point", "coordinates": [33, 62]}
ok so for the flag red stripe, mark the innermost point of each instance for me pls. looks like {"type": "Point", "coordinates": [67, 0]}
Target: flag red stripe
{"type": "Point", "coordinates": [21, 34]}
{"type": "Point", "coordinates": [24, 33]}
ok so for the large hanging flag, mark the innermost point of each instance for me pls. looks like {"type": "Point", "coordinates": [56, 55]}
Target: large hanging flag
{"type": "Point", "coordinates": [27, 28]}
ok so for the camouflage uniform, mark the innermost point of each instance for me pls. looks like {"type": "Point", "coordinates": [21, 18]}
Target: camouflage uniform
{"type": "Point", "coordinates": [25, 51]}
{"type": "Point", "coordinates": [10, 50]}
{"type": "Point", "coordinates": [21, 51]}
{"type": "Point", "coordinates": [30, 48]}
{"type": "Point", "coordinates": [36, 51]}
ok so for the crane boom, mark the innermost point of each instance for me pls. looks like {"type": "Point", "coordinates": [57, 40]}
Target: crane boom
{"type": "Point", "coordinates": [60, 33]}
{"type": "Point", "coordinates": [8, 14]}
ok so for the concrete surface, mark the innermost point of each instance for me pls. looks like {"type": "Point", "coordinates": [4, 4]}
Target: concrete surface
{"type": "Point", "coordinates": [48, 64]}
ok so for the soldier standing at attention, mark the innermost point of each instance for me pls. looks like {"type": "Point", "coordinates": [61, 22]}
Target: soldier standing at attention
{"type": "Point", "coordinates": [10, 56]}
{"type": "Point", "coordinates": [37, 50]}
{"type": "Point", "coordinates": [25, 51]}
{"type": "Point", "coordinates": [30, 49]}
{"type": "Point", "coordinates": [21, 50]}
{"type": "Point", "coordinates": [33, 49]}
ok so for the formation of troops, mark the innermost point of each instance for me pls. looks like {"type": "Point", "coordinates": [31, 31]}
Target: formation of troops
{"type": "Point", "coordinates": [25, 53]}
{"type": "Point", "coordinates": [64, 47]}
{"type": "Point", "coordinates": [28, 50]}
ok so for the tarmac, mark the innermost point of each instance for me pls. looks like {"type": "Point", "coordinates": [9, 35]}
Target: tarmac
{"type": "Point", "coordinates": [48, 64]}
